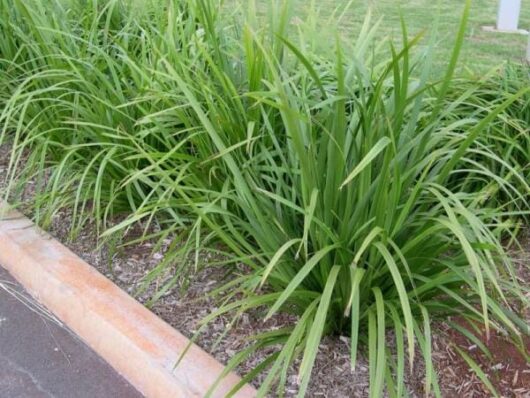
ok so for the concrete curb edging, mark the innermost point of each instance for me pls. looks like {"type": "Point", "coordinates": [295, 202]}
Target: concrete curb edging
{"type": "Point", "coordinates": [134, 341]}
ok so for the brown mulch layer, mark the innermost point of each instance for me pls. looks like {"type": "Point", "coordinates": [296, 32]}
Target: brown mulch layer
{"type": "Point", "coordinates": [332, 377]}
{"type": "Point", "coordinates": [508, 369]}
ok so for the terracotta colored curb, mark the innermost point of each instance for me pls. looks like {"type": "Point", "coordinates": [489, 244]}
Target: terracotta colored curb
{"type": "Point", "coordinates": [134, 341]}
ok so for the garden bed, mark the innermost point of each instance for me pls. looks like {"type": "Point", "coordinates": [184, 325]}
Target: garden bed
{"type": "Point", "coordinates": [183, 307]}
{"type": "Point", "coordinates": [349, 206]}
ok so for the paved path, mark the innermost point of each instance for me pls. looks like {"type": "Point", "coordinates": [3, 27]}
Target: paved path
{"type": "Point", "coordinates": [39, 358]}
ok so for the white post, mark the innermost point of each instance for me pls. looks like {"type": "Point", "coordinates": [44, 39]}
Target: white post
{"type": "Point", "coordinates": [508, 15]}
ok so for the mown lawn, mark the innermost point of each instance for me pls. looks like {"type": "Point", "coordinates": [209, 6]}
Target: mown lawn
{"type": "Point", "coordinates": [482, 51]}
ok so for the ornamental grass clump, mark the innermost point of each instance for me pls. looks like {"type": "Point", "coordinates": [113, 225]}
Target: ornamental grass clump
{"type": "Point", "coordinates": [339, 201]}
{"type": "Point", "coordinates": [336, 192]}
{"type": "Point", "coordinates": [77, 80]}
{"type": "Point", "coordinates": [344, 181]}
{"type": "Point", "coordinates": [505, 147]}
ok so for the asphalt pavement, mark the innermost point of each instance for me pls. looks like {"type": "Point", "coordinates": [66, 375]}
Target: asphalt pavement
{"type": "Point", "coordinates": [41, 358]}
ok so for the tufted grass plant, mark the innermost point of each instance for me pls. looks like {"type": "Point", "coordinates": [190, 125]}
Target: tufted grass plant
{"type": "Point", "coordinates": [77, 79]}
{"type": "Point", "coordinates": [504, 149]}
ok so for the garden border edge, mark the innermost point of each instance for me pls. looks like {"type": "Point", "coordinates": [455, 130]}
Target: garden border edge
{"type": "Point", "coordinates": [134, 341]}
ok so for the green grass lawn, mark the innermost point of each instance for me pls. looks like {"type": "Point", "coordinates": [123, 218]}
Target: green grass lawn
{"type": "Point", "coordinates": [482, 49]}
